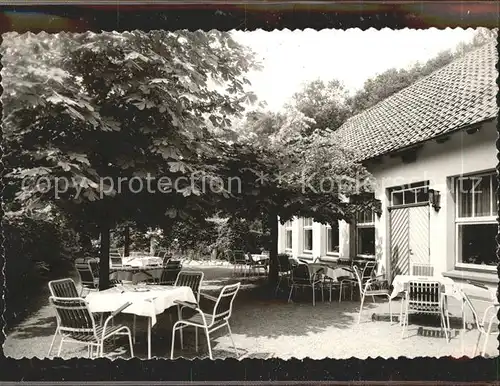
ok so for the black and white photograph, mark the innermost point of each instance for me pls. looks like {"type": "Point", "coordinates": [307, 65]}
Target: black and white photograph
{"type": "Point", "coordinates": [250, 194]}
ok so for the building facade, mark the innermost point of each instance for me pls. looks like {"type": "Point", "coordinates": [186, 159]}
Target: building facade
{"type": "Point", "coordinates": [435, 177]}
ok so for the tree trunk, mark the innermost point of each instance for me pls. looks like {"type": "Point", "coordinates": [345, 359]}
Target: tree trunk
{"type": "Point", "coordinates": [104, 257]}
{"type": "Point", "coordinates": [126, 241]}
{"type": "Point", "coordinates": [273, 251]}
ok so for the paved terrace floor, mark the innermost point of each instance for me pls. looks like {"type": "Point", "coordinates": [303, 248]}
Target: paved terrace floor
{"type": "Point", "coordinates": [265, 327]}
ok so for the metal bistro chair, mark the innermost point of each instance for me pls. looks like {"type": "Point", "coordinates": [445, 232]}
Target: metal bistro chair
{"type": "Point", "coordinates": [375, 286]}
{"type": "Point", "coordinates": [421, 269]}
{"type": "Point", "coordinates": [424, 297]}
{"type": "Point", "coordinates": [170, 272]}
{"type": "Point", "coordinates": [210, 322]}
{"type": "Point", "coordinates": [166, 257]}
{"type": "Point", "coordinates": [193, 280]}
{"type": "Point", "coordinates": [76, 324]}
{"type": "Point", "coordinates": [482, 327]}
{"type": "Point", "coordinates": [284, 270]}
{"type": "Point", "coordinates": [301, 278]}
{"type": "Point", "coordinates": [115, 261]}
{"type": "Point", "coordinates": [86, 275]}
{"type": "Point", "coordinates": [240, 263]}
{"type": "Point", "coordinates": [367, 273]}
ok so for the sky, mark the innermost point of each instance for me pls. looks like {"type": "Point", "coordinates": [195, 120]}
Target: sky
{"type": "Point", "coordinates": [292, 58]}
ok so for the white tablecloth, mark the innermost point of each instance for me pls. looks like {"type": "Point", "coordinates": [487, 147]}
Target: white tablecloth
{"type": "Point", "coordinates": [332, 273]}
{"type": "Point", "coordinates": [151, 303]}
{"type": "Point", "coordinates": [259, 257]}
{"type": "Point", "coordinates": [135, 274]}
{"type": "Point", "coordinates": [401, 282]}
{"type": "Point", "coordinates": [142, 261]}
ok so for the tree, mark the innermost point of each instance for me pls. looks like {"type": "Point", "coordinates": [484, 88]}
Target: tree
{"type": "Point", "coordinates": [324, 102]}
{"type": "Point", "coordinates": [83, 111]}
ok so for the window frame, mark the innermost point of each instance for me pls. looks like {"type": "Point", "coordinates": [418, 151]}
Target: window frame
{"type": "Point", "coordinates": [472, 220]}
{"type": "Point", "coordinates": [364, 225]}
{"type": "Point", "coordinates": [329, 228]}
{"type": "Point", "coordinates": [288, 228]}
{"type": "Point", "coordinates": [308, 228]}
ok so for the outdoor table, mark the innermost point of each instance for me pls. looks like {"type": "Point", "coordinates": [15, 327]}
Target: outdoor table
{"type": "Point", "coordinates": [333, 273]}
{"type": "Point", "coordinates": [450, 288]}
{"type": "Point", "coordinates": [142, 261]}
{"type": "Point", "coordinates": [136, 274]}
{"type": "Point", "coordinates": [148, 301]}
{"type": "Point", "coordinates": [259, 257]}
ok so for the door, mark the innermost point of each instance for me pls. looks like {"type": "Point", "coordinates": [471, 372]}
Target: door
{"type": "Point", "coordinates": [409, 233]}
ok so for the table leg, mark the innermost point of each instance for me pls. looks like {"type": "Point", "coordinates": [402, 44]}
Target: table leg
{"type": "Point", "coordinates": [149, 337]}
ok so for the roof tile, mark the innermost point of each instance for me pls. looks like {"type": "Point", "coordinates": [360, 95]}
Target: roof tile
{"type": "Point", "coordinates": [460, 94]}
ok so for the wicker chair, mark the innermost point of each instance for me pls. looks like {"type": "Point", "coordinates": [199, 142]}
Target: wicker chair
{"type": "Point", "coordinates": [76, 324]}
{"type": "Point", "coordinates": [301, 278]}
{"type": "Point", "coordinates": [375, 286]}
{"type": "Point", "coordinates": [210, 322]}
{"type": "Point", "coordinates": [424, 297]}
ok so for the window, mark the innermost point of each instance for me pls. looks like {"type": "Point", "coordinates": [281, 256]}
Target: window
{"type": "Point", "coordinates": [365, 233]}
{"type": "Point", "coordinates": [475, 223]}
{"type": "Point", "coordinates": [308, 235]}
{"type": "Point", "coordinates": [415, 193]}
{"type": "Point", "coordinates": [288, 235]}
{"type": "Point", "coordinates": [332, 239]}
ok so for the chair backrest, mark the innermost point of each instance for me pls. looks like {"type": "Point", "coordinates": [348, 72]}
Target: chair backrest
{"type": "Point", "coordinates": [239, 257]}
{"type": "Point", "coordinates": [85, 274]}
{"type": "Point", "coordinates": [170, 272]}
{"type": "Point", "coordinates": [74, 316]}
{"type": "Point", "coordinates": [359, 278]}
{"type": "Point", "coordinates": [63, 288]}
{"type": "Point", "coordinates": [284, 263]}
{"type": "Point", "coordinates": [300, 273]}
{"type": "Point", "coordinates": [368, 270]}
{"type": "Point", "coordinates": [421, 269]}
{"type": "Point", "coordinates": [424, 296]}
{"type": "Point", "coordinates": [166, 257]}
{"type": "Point", "coordinates": [94, 268]}
{"type": "Point", "coordinates": [224, 305]}
{"type": "Point", "coordinates": [115, 261]}
{"type": "Point", "coordinates": [190, 279]}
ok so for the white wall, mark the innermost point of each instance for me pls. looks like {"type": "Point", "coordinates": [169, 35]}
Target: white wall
{"type": "Point", "coordinates": [461, 154]}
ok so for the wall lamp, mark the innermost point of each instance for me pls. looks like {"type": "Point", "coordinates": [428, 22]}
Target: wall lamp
{"type": "Point", "coordinates": [435, 199]}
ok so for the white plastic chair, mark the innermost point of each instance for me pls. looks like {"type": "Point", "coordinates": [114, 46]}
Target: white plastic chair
{"type": "Point", "coordinates": [424, 297]}
{"type": "Point", "coordinates": [209, 322]}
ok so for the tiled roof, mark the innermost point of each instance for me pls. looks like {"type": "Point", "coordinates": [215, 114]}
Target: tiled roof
{"type": "Point", "coordinates": [458, 95]}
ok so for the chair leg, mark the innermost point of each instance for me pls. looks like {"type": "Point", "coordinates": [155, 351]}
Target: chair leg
{"type": "Point", "coordinates": [196, 338]}
{"type": "Point", "coordinates": [390, 308]}
{"type": "Point", "coordinates": [290, 294]}
{"type": "Point", "coordinates": [208, 342]}
{"type": "Point", "coordinates": [340, 292]}
{"type": "Point", "coordinates": [131, 344]}
{"type": "Point", "coordinates": [173, 342]}
{"type": "Point", "coordinates": [60, 347]}
{"type": "Point", "coordinates": [232, 340]}
{"type": "Point", "coordinates": [314, 295]}
{"type": "Point", "coordinates": [361, 307]}
{"type": "Point", "coordinates": [52, 343]}
{"type": "Point", "coordinates": [406, 319]}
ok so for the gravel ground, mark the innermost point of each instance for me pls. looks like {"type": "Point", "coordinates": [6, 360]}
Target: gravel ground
{"type": "Point", "coordinates": [264, 326]}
